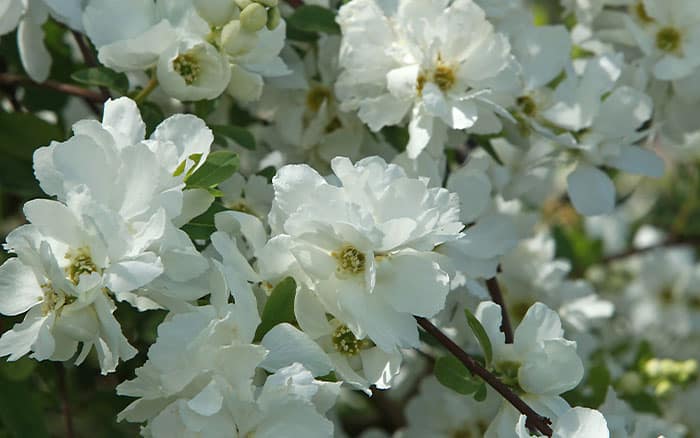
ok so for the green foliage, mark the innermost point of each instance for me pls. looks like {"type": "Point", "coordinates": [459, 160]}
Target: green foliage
{"type": "Point", "coordinates": [223, 134]}
{"type": "Point", "coordinates": [152, 115]}
{"type": "Point", "coordinates": [279, 307]}
{"type": "Point", "coordinates": [451, 373]}
{"type": "Point", "coordinates": [312, 18]}
{"type": "Point", "coordinates": [573, 244]}
{"type": "Point", "coordinates": [592, 392]}
{"type": "Point", "coordinates": [218, 167]}
{"type": "Point", "coordinates": [481, 336]}
{"type": "Point", "coordinates": [21, 413]}
{"type": "Point", "coordinates": [397, 136]}
{"type": "Point", "coordinates": [102, 77]}
{"type": "Point", "coordinates": [22, 133]}
{"type": "Point", "coordinates": [201, 227]}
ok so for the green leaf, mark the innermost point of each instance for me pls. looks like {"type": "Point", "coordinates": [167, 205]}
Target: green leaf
{"type": "Point", "coordinates": [480, 394]}
{"type": "Point", "coordinates": [279, 307]}
{"type": "Point", "coordinates": [218, 167]}
{"type": "Point", "coordinates": [269, 172]}
{"type": "Point", "coordinates": [312, 18]}
{"type": "Point", "coordinates": [573, 244]}
{"type": "Point", "coordinates": [454, 375]}
{"type": "Point", "coordinates": [19, 370]}
{"type": "Point", "coordinates": [102, 77]}
{"type": "Point", "coordinates": [397, 136]}
{"type": "Point", "coordinates": [485, 143]}
{"type": "Point", "coordinates": [241, 136]}
{"type": "Point", "coordinates": [481, 335]}
{"type": "Point", "coordinates": [20, 410]}
{"type": "Point", "coordinates": [202, 108]}
{"type": "Point", "coordinates": [643, 402]}
{"type": "Point", "coordinates": [201, 227]}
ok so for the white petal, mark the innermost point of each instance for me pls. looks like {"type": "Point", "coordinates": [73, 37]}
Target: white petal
{"type": "Point", "coordinates": [10, 11]}
{"type": "Point", "coordinates": [36, 59]}
{"type": "Point", "coordinates": [19, 289]}
{"type": "Point", "coordinates": [129, 275]}
{"type": "Point", "coordinates": [581, 423]}
{"type": "Point", "coordinates": [209, 400]}
{"type": "Point", "coordinates": [552, 369]}
{"type": "Point", "coordinates": [384, 110]}
{"type": "Point", "coordinates": [401, 82]}
{"type": "Point", "coordinates": [640, 161]}
{"type": "Point", "coordinates": [189, 134]}
{"type": "Point", "coordinates": [623, 112]}
{"type": "Point", "coordinates": [288, 345]}
{"type": "Point", "coordinates": [413, 283]}
{"type": "Point", "coordinates": [420, 130]}
{"type": "Point", "coordinates": [26, 336]}
{"type": "Point", "coordinates": [591, 191]}
{"type": "Point", "coordinates": [55, 220]}
{"type": "Point", "coordinates": [123, 120]}
{"type": "Point", "coordinates": [245, 86]}
{"type": "Point", "coordinates": [539, 323]}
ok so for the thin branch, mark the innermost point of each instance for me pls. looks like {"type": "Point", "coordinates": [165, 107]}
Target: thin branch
{"type": "Point", "coordinates": [497, 297]}
{"type": "Point", "coordinates": [534, 420]}
{"type": "Point", "coordinates": [672, 241]}
{"type": "Point", "coordinates": [73, 90]}
{"type": "Point", "coordinates": [65, 405]}
{"type": "Point", "coordinates": [89, 59]}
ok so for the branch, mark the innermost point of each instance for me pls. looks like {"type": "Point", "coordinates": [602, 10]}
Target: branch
{"type": "Point", "coordinates": [671, 241]}
{"type": "Point", "coordinates": [65, 405]}
{"type": "Point", "coordinates": [73, 90]}
{"type": "Point", "coordinates": [534, 421]}
{"type": "Point", "coordinates": [497, 297]}
{"type": "Point", "coordinates": [89, 59]}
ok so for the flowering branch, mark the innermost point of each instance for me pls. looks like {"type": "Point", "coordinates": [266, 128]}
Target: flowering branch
{"type": "Point", "coordinates": [534, 420]}
{"type": "Point", "coordinates": [671, 241]}
{"type": "Point", "coordinates": [497, 297]}
{"type": "Point", "coordinates": [73, 90]}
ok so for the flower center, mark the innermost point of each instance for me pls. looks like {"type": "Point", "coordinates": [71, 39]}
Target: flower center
{"type": "Point", "coordinates": [345, 341]}
{"type": "Point", "coordinates": [350, 259]}
{"type": "Point", "coordinates": [54, 299]}
{"type": "Point", "coordinates": [507, 372]}
{"type": "Point", "coordinates": [527, 105]}
{"type": "Point", "coordinates": [668, 39]}
{"type": "Point", "coordinates": [316, 96]}
{"type": "Point", "coordinates": [80, 263]}
{"type": "Point", "coordinates": [444, 77]}
{"type": "Point", "coordinates": [187, 66]}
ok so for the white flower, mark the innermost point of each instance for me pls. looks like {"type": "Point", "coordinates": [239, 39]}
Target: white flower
{"type": "Point", "coordinates": [251, 195]}
{"type": "Point", "coordinates": [193, 69]}
{"type": "Point", "coordinates": [363, 241]}
{"type": "Point", "coordinates": [540, 363]}
{"type": "Point", "coordinates": [668, 34]}
{"type": "Point", "coordinates": [69, 260]}
{"type": "Point", "coordinates": [438, 61]}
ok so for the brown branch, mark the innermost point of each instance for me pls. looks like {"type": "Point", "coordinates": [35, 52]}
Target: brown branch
{"type": "Point", "coordinates": [73, 90]}
{"type": "Point", "coordinates": [534, 421]}
{"type": "Point", "coordinates": [497, 297]}
{"type": "Point", "coordinates": [65, 405]}
{"type": "Point", "coordinates": [89, 59]}
{"type": "Point", "coordinates": [671, 241]}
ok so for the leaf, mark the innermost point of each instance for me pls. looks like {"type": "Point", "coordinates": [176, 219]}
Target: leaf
{"type": "Point", "coordinates": [454, 375]}
{"type": "Point", "coordinates": [19, 370]}
{"type": "Point", "coordinates": [397, 136]}
{"type": "Point", "coordinates": [202, 108]}
{"type": "Point", "coordinates": [480, 394]}
{"type": "Point", "coordinates": [485, 143]}
{"type": "Point", "coordinates": [218, 167]}
{"type": "Point", "coordinates": [279, 307]}
{"type": "Point", "coordinates": [312, 18]}
{"type": "Point", "coordinates": [20, 413]}
{"type": "Point", "coordinates": [481, 335]}
{"type": "Point", "coordinates": [201, 227]}
{"type": "Point", "coordinates": [102, 77]}
{"type": "Point", "coordinates": [240, 136]}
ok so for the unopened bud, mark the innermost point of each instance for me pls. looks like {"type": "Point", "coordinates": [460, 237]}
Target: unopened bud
{"type": "Point", "coordinates": [268, 3]}
{"type": "Point", "coordinates": [253, 17]}
{"type": "Point", "coordinates": [242, 4]}
{"type": "Point", "coordinates": [237, 41]}
{"type": "Point", "coordinates": [273, 18]}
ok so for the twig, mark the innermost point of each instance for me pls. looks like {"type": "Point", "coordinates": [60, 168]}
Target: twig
{"type": "Point", "coordinates": [534, 420]}
{"type": "Point", "coordinates": [73, 90]}
{"type": "Point", "coordinates": [65, 405]}
{"type": "Point", "coordinates": [148, 89]}
{"type": "Point", "coordinates": [497, 297]}
{"type": "Point", "coordinates": [89, 59]}
{"type": "Point", "coordinates": [672, 241]}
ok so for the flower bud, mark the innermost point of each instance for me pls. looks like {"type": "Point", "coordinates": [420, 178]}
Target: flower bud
{"type": "Point", "coordinates": [216, 12]}
{"type": "Point", "coordinates": [242, 4]}
{"type": "Point", "coordinates": [273, 18]}
{"type": "Point", "coordinates": [268, 3]}
{"type": "Point", "coordinates": [235, 40]}
{"type": "Point", "coordinates": [253, 17]}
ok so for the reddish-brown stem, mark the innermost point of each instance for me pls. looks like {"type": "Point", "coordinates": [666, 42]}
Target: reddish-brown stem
{"type": "Point", "coordinates": [672, 241]}
{"type": "Point", "coordinates": [89, 59]}
{"type": "Point", "coordinates": [497, 297]}
{"type": "Point", "coordinates": [534, 420]}
{"type": "Point", "coordinates": [73, 90]}
{"type": "Point", "coordinates": [65, 404]}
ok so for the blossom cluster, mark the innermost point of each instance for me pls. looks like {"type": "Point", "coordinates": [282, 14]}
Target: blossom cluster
{"type": "Point", "coordinates": [327, 178]}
